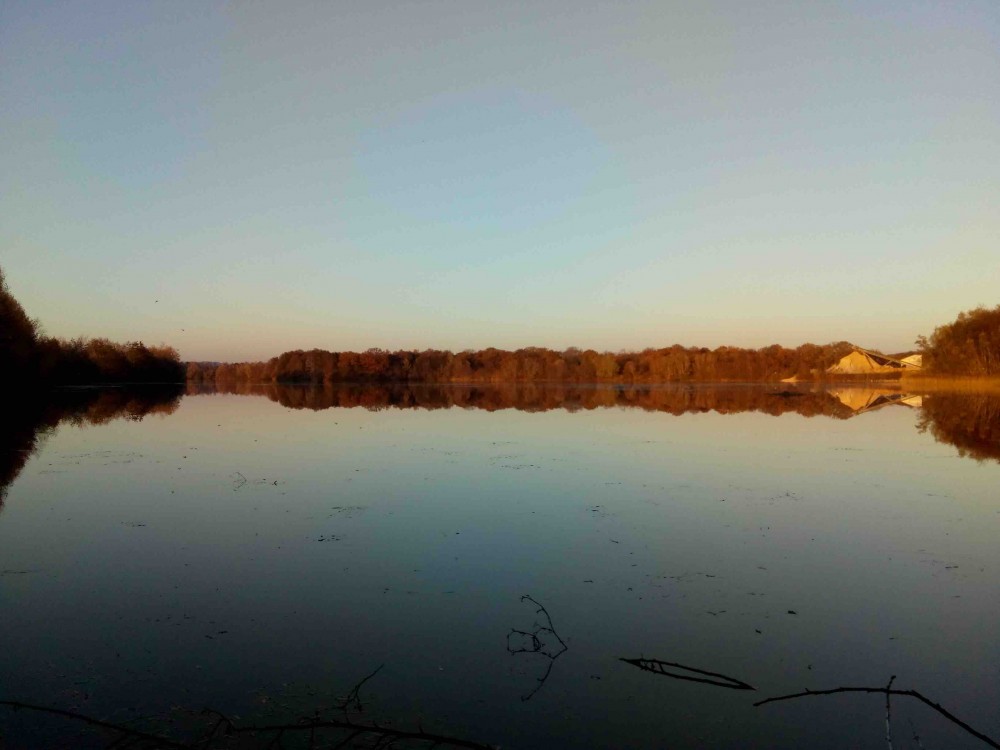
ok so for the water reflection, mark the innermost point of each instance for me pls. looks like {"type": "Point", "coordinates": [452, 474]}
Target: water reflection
{"type": "Point", "coordinates": [32, 417]}
{"type": "Point", "coordinates": [534, 397]}
{"type": "Point", "coordinates": [860, 400]}
{"type": "Point", "coordinates": [969, 421]}
{"type": "Point", "coordinates": [260, 559]}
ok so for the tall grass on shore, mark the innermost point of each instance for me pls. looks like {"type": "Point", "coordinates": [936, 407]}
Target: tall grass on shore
{"type": "Point", "coordinates": [931, 383]}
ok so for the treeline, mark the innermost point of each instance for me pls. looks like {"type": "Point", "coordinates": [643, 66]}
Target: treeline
{"type": "Point", "coordinates": [27, 356]}
{"type": "Point", "coordinates": [673, 364]}
{"type": "Point", "coordinates": [968, 346]}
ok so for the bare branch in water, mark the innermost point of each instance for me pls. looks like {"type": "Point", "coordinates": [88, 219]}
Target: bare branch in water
{"type": "Point", "coordinates": [887, 691]}
{"type": "Point", "coordinates": [888, 714]}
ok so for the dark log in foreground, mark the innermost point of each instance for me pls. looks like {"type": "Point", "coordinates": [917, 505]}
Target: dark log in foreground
{"type": "Point", "coordinates": [226, 727]}
{"type": "Point", "coordinates": [887, 691]}
{"type": "Point", "coordinates": [133, 734]}
{"type": "Point", "coordinates": [657, 666]}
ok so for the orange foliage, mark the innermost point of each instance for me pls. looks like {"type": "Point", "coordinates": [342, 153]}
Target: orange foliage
{"type": "Point", "coordinates": [532, 364]}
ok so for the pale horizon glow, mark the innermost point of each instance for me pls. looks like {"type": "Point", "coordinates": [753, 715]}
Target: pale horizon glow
{"type": "Point", "coordinates": [238, 180]}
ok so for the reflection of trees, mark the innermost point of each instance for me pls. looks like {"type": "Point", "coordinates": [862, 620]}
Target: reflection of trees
{"type": "Point", "coordinates": [679, 399]}
{"type": "Point", "coordinates": [33, 416]}
{"type": "Point", "coordinates": [969, 421]}
{"type": "Point", "coordinates": [20, 435]}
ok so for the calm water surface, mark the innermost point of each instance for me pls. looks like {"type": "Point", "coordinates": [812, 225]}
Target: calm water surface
{"type": "Point", "coordinates": [231, 552]}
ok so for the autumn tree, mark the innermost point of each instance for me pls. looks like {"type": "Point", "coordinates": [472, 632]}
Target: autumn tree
{"type": "Point", "coordinates": [968, 346]}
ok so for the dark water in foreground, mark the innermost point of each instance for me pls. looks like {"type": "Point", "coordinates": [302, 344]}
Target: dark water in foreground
{"type": "Point", "coordinates": [225, 550]}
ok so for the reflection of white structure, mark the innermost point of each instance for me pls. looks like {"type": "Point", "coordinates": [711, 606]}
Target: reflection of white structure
{"type": "Point", "coordinates": [865, 362]}
{"type": "Point", "coordinates": [868, 399]}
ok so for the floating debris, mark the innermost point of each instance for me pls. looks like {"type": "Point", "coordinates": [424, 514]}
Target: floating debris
{"type": "Point", "coordinates": [656, 666]}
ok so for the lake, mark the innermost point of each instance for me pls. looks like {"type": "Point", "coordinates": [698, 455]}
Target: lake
{"type": "Point", "coordinates": [263, 551]}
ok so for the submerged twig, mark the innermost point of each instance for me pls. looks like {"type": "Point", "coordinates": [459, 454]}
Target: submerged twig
{"type": "Point", "coordinates": [889, 691]}
{"type": "Point", "coordinates": [549, 651]}
{"type": "Point", "coordinates": [550, 628]}
{"type": "Point", "coordinates": [657, 666]}
{"type": "Point", "coordinates": [353, 697]}
{"type": "Point", "coordinates": [916, 737]}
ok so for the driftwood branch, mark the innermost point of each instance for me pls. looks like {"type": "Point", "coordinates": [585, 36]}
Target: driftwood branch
{"type": "Point", "coordinates": [657, 666]}
{"type": "Point", "coordinates": [380, 732]}
{"type": "Point", "coordinates": [887, 691]}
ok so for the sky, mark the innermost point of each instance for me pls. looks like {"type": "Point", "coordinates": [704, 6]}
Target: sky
{"type": "Point", "coordinates": [242, 179]}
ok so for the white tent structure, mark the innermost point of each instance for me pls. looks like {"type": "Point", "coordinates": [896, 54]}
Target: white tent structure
{"type": "Point", "coordinates": [865, 362]}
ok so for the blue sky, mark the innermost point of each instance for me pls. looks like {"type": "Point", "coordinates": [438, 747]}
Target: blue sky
{"type": "Point", "coordinates": [238, 179]}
